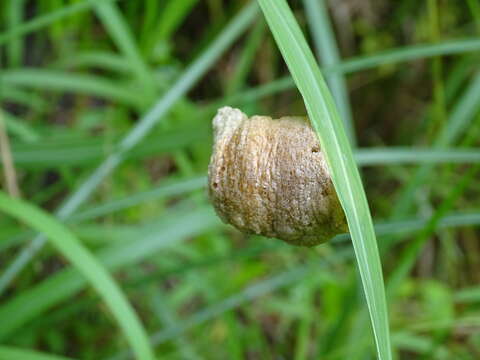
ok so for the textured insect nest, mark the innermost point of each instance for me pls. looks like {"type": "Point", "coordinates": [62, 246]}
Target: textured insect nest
{"type": "Point", "coordinates": [270, 177]}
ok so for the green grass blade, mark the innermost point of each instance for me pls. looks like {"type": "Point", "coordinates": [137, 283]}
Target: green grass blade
{"type": "Point", "coordinates": [346, 178]}
{"type": "Point", "coordinates": [413, 225]}
{"type": "Point", "coordinates": [86, 263]}
{"type": "Point", "coordinates": [407, 53]}
{"type": "Point", "coordinates": [118, 29]}
{"type": "Point", "coordinates": [54, 80]}
{"type": "Point", "coordinates": [45, 20]}
{"type": "Point", "coordinates": [474, 6]}
{"type": "Point", "coordinates": [19, 128]}
{"type": "Point", "coordinates": [23, 97]}
{"type": "Point", "coordinates": [468, 295]}
{"type": "Point", "coordinates": [87, 150]}
{"type": "Point", "coordinates": [14, 15]}
{"type": "Point", "coordinates": [177, 225]}
{"type": "Point", "coordinates": [399, 155]}
{"type": "Point", "coordinates": [172, 188]}
{"type": "Point", "coordinates": [191, 75]}
{"type": "Point", "coordinates": [409, 255]}
{"type": "Point", "coordinates": [421, 345]}
{"type": "Point", "coordinates": [172, 15]}
{"type": "Point", "coordinates": [327, 52]}
{"type": "Point", "coordinates": [246, 59]}
{"type": "Point", "coordinates": [162, 310]}
{"type": "Point", "coordinates": [462, 115]}
{"type": "Point", "coordinates": [13, 353]}
{"type": "Point", "coordinates": [159, 27]}
{"type": "Point", "coordinates": [97, 59]}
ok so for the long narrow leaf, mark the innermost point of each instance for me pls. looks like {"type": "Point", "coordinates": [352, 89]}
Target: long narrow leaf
{"type": "Point", "coordinates": [19, 128]}
{"type": "Point", "coordinates": [45, 20]}
{"type": "Point", "coordinates": [62, 285]}
{"type": "Point", "coordinates": [86, 263]}
{"type": "Point", "coordinates": [43, 79]}
{"type": "Point", "coordinates": [407, 54]}
{"type": "Point", "coordinates": [346, 178]}
{"type": "Point", "coordinates": [14, 14]}
{"type": "Point", "coordinates": [120, 32]}
{"type": "Point", "coordinates": [415, 155]}
{"type": "Point", "coordinates": [13, 353]}
{"type": "Point", "coordinates": [97, 59]}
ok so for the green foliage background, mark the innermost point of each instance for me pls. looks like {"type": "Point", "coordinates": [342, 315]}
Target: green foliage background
{"type": "Point", "coordinates": [107, 105]}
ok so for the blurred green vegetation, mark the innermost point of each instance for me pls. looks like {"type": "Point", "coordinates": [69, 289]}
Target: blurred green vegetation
{"type": "Point", "coordinates": [107, 108]}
